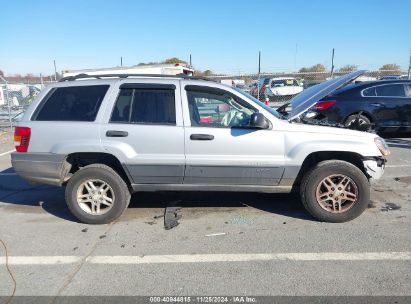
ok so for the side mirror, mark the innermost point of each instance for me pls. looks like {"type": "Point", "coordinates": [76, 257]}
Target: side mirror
{"type": "Point", "coordinates": [259, 121]}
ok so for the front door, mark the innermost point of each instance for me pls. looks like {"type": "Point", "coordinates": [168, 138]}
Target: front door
{"type": "Point", "coordinates": [221, 148]}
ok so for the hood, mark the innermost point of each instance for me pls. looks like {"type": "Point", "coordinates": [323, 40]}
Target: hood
{"type": "Point", "coordinates": [309, 97]}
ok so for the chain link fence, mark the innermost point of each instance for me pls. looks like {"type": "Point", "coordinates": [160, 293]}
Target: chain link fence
{"type": "Point", "coordinates": [278, 88]}
{"type": "Point", "coordinates": [275, 88]}
{"type": "Point", "coordinates": [15, 97]}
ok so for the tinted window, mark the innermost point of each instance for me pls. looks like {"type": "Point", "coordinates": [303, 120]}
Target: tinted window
{"type": "Point", "coordinates": [407, 90]}
{"type": "Point", "coordinates": [151, 106]}
{"type": "Point", "coordinates": [217, 109]}
{"type": "Point", "coordinates": [391, 90]}
{"type": "Point", "coordinates": [369, 92]}
{"type": "Point", "coordinates": [72, 104]}
{"type": "Point", "coordinates": [121, 111]}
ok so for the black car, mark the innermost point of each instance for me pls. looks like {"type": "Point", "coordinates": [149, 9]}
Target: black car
{"type": "Point", "coordinates": [386, 105]}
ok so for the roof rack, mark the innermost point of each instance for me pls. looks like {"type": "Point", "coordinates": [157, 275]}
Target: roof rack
{"type": "Point", "coordinates": [83, 76]}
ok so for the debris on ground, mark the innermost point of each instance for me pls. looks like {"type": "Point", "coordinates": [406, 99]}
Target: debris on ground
{"type": "Point", "coordinates": [390, 207]}
{"type": "Point", "coordinates": [84, 230]}
{"type": "Point", "coordinates": [171, 217]}
{"type": "Point", "coordinates": [216, 234]}
{"type": "Point", "coordinates": [371, 205]}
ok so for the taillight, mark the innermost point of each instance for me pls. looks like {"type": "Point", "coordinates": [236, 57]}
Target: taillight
{"type": "Point", "coordinates": [22, 138]}
{"type": "Point", "coordinates": [322, 105]}
{"type": "Point", "coordinates": [263, 88]}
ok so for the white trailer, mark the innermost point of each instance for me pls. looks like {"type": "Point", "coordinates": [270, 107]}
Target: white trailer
{"type": "Point", "coordinates": [161, 69]}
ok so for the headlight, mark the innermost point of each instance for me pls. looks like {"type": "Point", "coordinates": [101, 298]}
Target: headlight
{"type": "Point", "coordinates": [382, 146]}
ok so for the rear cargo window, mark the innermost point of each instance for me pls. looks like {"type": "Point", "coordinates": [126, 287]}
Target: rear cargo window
{"type": "Point", "coordinates": [80, 103]}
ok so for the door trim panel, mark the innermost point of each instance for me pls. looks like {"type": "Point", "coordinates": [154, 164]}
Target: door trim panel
{"type": "Point", "coordinates": [156, 174]}
{"type": "Point", "coordinates": [233, 175]}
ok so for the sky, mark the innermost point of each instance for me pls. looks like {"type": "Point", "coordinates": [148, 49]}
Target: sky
{"type": "Point", "coordinates": [224, 36]}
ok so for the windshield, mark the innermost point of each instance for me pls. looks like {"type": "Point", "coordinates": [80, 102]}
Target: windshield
{"type": "Point", "coordinates": [284, 83]}
{"type": "Point", "coordinates": [261, 104]}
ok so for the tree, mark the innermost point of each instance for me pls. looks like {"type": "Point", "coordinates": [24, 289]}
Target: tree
{"type": "Point", "coordinates": [348, 68]}
{"type": "Point", "coordinates": [146, 63]}
{"type": "Point", "coordinates": [390, 67]}
{"type": "Point", "coordinates": [207, 73]}
{"type": "Point", "coordinates": [318, 68]}
{"type": "Point", "coordinates": [173, 60]}
{"type": "Point", "coordinates": [1, 73]}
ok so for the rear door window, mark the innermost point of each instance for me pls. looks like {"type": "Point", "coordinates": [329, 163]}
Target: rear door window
{"type": "Point", "coordinates": [408, 90]}
{"type": "Point", "coordinates": [76, 103]}
{"type": "Point", "coordinates": [145, 106]}
{"type": "Point", "coordinates": [391, 90]}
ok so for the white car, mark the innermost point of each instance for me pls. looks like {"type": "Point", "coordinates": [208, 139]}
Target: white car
{"type": "Point", "coordinates": [282, 88]}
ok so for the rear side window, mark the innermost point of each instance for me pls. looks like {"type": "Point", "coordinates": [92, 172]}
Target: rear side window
{"type": "Point", "coordinates": [145, 106]}
{"type": "Point", "coordinates": [79, 103]}
{"type": "Point", "coordinates": [392, 90]}
{"type": "Point", "coordinates": [369, 92]}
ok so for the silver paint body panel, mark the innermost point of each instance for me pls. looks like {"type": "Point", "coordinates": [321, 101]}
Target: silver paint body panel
{"type": "Point", "coordinates": [160, 157]}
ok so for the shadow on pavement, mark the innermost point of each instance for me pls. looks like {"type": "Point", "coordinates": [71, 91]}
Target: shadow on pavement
{"type": "Point", "coordinates": [25, 198]}
{"type": "Point", "coordinates": [399, 143]}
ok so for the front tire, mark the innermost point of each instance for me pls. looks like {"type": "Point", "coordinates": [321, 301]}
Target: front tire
{"type": "Point", "coordinates": [96, 194]}
{"type": "Point", "coordinates": [335, 191]}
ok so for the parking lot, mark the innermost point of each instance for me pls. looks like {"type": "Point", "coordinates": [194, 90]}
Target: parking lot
{"type": "Point", "coordinates": [225, 243]}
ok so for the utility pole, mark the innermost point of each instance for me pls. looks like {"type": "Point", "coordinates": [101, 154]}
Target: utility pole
{"type": "Point", "coordinates": [332, 64]}
{"type": "Point", "coordinates": [190, 61]}
{"type": "Point", "coordinates": [121, 61]}
{"type": "Point", "coordinates": [258, 78]}
{"type": "Point", "coordinates": [41, 81]}
{"type": "Point", "coordinates": [295, 57]}
{"type": "Point", "coordinates": [55, 70]}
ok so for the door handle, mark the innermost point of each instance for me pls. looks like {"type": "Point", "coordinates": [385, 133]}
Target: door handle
{"type": "Point", "coordinates": [201, 137]}
{"type": "Point", "coordinates": [114, 133]}
{"type": "Point", "coordinates": [378, 105]}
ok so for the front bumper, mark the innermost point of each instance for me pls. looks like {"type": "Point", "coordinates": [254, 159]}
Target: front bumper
{"type": "Point", "coordinates": [374, 167]}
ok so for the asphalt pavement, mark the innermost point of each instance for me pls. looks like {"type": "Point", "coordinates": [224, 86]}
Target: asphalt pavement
{"type": "Point", "coordinates": [234, 244]}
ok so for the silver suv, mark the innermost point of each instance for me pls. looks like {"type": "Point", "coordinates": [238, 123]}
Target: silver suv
{"type": "Point", "coordinates": [104, 138]}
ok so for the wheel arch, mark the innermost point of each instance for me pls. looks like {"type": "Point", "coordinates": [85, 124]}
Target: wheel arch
{"type": "Point", "coordinates": [316, 157]}
{"type": "Point", "coordinates": [75, 161]}
{"type": "Point", "coordinates": [363, 113]}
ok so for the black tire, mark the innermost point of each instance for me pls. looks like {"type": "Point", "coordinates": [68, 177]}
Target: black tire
{"type": "Point", "coordinates": [363, 119]}
{"type": "Point", "coordinates": [327, 168]}
{"type": "Point", "coordinates": [108, 175]}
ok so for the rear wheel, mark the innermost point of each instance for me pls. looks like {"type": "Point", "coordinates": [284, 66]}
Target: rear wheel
{"type": "Point", "coordinates": [362, 120]}
{"type": "Point", "coordinates": [96, 194]}
{"type": "Point", "coordinates": [335, 191]}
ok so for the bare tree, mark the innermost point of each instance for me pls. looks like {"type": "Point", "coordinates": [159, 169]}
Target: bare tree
{"type": "Point", "coordinates": [348, 68]}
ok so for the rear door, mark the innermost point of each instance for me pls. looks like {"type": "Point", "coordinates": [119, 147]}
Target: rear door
{"type": "Point", "coordinates": [145, 129]}
{"type": "Point", "coordinates": [390, 105]}
{"type": "Point", "coordinates": [220, 147]}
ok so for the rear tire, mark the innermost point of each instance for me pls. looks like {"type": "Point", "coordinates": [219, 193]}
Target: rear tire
{"type": "Point", "coordinates": [335, 191]}
{"type": "Point", "coordinates": [362, 119]}
{"type": "Point", "coordinates": [96, 194]}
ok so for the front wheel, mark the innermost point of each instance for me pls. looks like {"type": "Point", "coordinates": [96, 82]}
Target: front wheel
{"type": "Point", "coordinates": [335, 191]}
{"type": "Point", "coordinates": [96, 194]}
